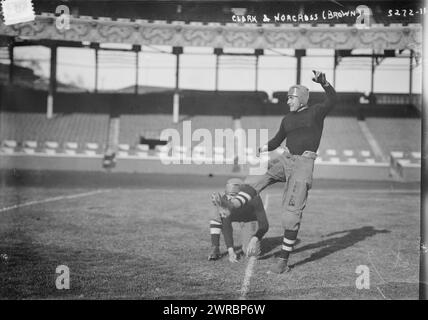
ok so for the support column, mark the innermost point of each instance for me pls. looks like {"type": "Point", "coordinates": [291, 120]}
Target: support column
{"type": "Point", "coordinates": [218, 52]}
{"type": "Point", "coordinates": [336, 62]}
{"type": "Point", "coordinates": [137, 49]}
{"type": "Point", "coordinates": [12, 62]}
{"type": "Point", "coordinates": [299, 54]}
{"type": "Point", "coordinates": [257, 53]}
{"type": "Point", "coordinates": [256, 80]}
{"type": "Point", "coordinates": [372, 74]}
{"type": "Point", "coordinates": [216, 72]}
{"type": "Point", "coordinates": [176, 102]}
{"type": "Point", "coordinates": [411, 76]}
{"type": "Point", "coordinates": [52, 82]}
{"type": "Point", "coordinates": [96, 46]}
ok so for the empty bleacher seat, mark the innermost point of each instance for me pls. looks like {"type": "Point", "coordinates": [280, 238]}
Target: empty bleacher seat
{"type": "Point", "coordinates": [92, 146]}
{"type": "Point", "coordinates": [76, 127]}
{"type": "Point", "coordinates": [416, 155]}
{"type": "Point", "coordinates": [50, 151]}
{"type": "Point", "coordinates": [70, 151]}
{"type": "Point", "coordinates": [344, 136]}
{"type": "Point", "coordinates": [90, 152]}
{"type": "Point", "coordinates": [30, 144]}
{"type": "Point", "coordinates": [249, 151]}
{"type": "Point", "coordinates": [397, 154]}
{"type": "Point", "coordinates": [396, 134]}
{"type": "Point", "coordinates": [163, 148]}
{"type": "Point", "coordinates": [71, 145]}
{"type": "Point", "coordinates": [219, 150]}
{"type": "Point", "coordinates": [51, 144]}
{"type": "Point", "coordinates": [143, 147]}
{"type": "Point", "coordinates": [7, 150]}
{"type": "Point", "coordinates": [122, 153]}
{"type": "Point", "coordinates": [124, 147]}
{"type": "Point", "coordinates": [28, 150]}
{"type": "Point", "coordinates": [10, 143]}
{"type": "Point", "coordinates": [180, 149]}
{"type": "Point", "coordinates": [331, 152]}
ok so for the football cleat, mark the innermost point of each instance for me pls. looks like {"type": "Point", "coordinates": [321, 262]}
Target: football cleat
{"type": "Point", "coordinates": [215, 254]}
{"type": "Point", "coordinates": [280, 266]}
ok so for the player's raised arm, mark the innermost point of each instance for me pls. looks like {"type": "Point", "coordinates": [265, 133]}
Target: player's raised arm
{"type": "Point", "coordinates": [324, 108]}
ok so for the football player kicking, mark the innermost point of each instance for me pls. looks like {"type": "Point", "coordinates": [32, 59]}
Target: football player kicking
{"type": "Point", "coordinates": [252, 219]}
{"type": "Point", "coordinates": [302, 127]}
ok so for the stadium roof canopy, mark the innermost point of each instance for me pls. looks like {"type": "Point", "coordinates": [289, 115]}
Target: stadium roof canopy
{"type": "Point", "coordinates": [222, 10]}
{"type": "Point", "coordinates": [219, 24]}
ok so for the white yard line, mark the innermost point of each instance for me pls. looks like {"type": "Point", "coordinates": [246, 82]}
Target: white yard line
{"type": "Point", "coordinates": [248, 273]}
{"type": "Point", "coordinates": [378, 273]}
{"type": "Point", "coordinates": [64, 197]}
{"type": "Point", "coordinates": [380, 291]}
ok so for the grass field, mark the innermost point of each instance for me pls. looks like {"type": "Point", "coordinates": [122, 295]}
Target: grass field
{"type": "Point", "coordinates": [153, 242]}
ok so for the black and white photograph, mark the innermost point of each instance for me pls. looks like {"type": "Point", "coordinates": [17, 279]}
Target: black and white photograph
{"type": "Point", "coordinates": [213, 150]}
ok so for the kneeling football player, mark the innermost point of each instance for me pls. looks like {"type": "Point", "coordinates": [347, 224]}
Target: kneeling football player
{"type": "Point", "coordinates": [252, 219]}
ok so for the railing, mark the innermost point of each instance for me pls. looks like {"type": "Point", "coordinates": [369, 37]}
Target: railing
{"type": "Point", "coordinates": [398, 98]}
{"type": "Point", "coordinates": [192, 102]}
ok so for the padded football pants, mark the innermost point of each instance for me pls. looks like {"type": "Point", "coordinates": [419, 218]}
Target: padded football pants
{"type": "Point", "coordinates": [296, 172]}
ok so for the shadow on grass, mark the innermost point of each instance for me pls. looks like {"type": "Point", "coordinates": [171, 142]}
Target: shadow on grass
{"type": "Point", "coordinates": [347, 239]}
{"type": "Point", "coordinates": [268, 244]}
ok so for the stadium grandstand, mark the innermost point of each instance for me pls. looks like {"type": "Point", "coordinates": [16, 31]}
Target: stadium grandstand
{"type": "Point", "coordinates": [107, 164]}
{"type": "Point", "coordinates": [367, 128]}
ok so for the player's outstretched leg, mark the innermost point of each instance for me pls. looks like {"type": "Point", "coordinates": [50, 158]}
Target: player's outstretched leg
{"type": "Point", "coordinates": [215, 231]}
{"type": "Point", "coordinates": [294, 201]}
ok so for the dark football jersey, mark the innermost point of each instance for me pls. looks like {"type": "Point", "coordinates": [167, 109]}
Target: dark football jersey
{"type": "Point", "coordinates": [253, 211]}
{"type": "Point", "coordinates": [304, 127]}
